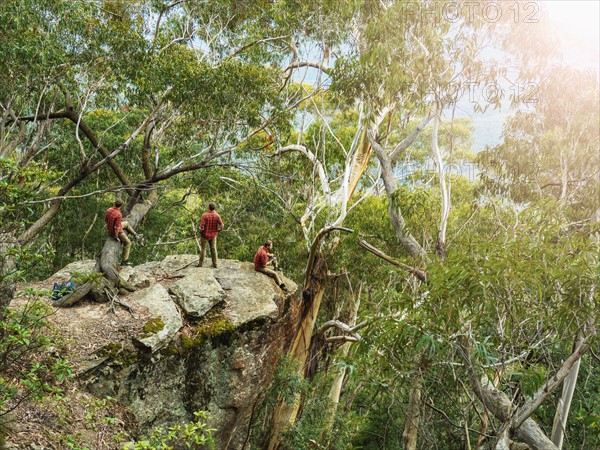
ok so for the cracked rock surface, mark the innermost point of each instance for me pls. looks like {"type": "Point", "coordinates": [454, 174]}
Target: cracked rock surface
{"type": "Point", "coordinates": [193, 339]}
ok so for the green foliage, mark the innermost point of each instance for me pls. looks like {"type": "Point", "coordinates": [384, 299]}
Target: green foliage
{"type": "Point", "coordinates": [545, 155]}
{"type": "Point", "coordinates": [522, 291]}
{"type": "Point", "coordinates": [18, 186]}
{"type": "Point", "coordinates": [518, 278]}
{"type": "Point", "coordinates": [317, 424]}
{"type": "Point", "coordinates": [30, 369]}
{"type": "Point", "coordinates": [192, 435]}
{"type": "Point", "coordinates": [286, 385]}
{"type": "Point", "coordinates": [584, 429]}
{"type": "Point", "coordinates": [98, 414]}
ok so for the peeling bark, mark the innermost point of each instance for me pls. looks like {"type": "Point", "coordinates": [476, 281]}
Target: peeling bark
{"type": "Point", "coordinates": [285, 414]}
{"type": "Point", "coordinates": [315, 283]}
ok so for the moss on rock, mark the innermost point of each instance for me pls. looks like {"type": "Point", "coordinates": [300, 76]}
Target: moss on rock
{"type": "Point", "coordinates": [153, 326]}
{"type": "Point", "coordinates": [118, 354]}
{"type": "Point", "coordinates": [218, 329]}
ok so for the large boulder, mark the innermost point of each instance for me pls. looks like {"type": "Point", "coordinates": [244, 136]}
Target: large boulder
{"type": "Point", "coordinates": [165, 320]}
{"type": "Point", "coordinates": [252, 295]}
{"type": "Point", "coordinates": [192, 339]}
{"type": "Point", "coordinates": [198, 292]}
{"type": "Point", "coordinates": [84, 266]}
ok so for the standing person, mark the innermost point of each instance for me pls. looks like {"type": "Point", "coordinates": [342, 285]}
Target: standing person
{"type": "Point", "coordinates": [263, 259]}
{"type": "Point", "coordinates": [210, 225]}
{"type": "Point", "coordinates": [115, 226]}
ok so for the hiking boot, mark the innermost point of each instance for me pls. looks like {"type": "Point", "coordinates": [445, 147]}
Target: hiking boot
{"type": "Point", "coordinates": [141, 240]}
{"type": "Point", "coordinates": [126, 264]}
{"type": "Point", "coordinates": [284, 288]}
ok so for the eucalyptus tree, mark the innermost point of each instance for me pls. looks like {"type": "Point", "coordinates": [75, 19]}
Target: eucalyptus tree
{"type": "Point", "coordinates": [201, 78]}
{"type": "Point", "coordinates": [549, 156]}
{"type": "Point", "coordinates": [409, 62]}
{"type": "Point", "coordinates": [394, 62]}
{"type": "Point", "coordinates": [382, 98]}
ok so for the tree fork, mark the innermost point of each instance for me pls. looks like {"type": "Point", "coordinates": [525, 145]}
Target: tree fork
{"type": "Point", "coordinates": [315, 282]}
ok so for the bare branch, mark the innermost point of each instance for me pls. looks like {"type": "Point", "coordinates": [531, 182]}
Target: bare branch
{"type": "Point", "coordinates": [313, 64]}
{"type": "Point", "coordinates": [532, 404]}
{"type": "Point", "coordinates": [313, 159]}
{"type": "Point", "coordinates": [421, 275]}
{"type": "Point", "coordinates": [160, 16]}
{"type": "Point", "coordinates": [32, 231]}
{"type": "Point", "coordinates": [38, 117]}
{"type": "Point", "coordinates": [342, 339]}
{"type": "Point", "coordinates": [340, 325]}
{"type": "Point", "coordinates": [252, 44]}
{"type": "Point", "coordinates": [408, 140]}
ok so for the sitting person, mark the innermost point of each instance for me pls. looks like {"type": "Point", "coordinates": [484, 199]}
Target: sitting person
{"type": "Point", "coordinates": [117, 226]}
{"type": "Point", "coordinates": [263, 259]}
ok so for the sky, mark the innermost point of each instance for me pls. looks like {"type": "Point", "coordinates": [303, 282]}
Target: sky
{"type": "Point", "coordinates": [575, 23]}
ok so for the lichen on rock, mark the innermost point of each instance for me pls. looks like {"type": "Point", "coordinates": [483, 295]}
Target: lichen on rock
{"type": "Point", "coordinates": [203, 339]}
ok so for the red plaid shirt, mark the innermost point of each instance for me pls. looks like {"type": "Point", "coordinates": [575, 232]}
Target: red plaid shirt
{"type": "Point", "coordinates": [113, 219]}
{"type": "Point", "coordinates": [261, 258]}
{"type": "Point", "coordinates": [210, 225]}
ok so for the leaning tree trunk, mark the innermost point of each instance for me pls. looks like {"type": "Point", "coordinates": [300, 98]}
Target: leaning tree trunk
{"type": "Point", "coordinates": [285, 414]}
{"type": "Point", "coordinates": [112, 250]}
{"type": "Point", "coordinates": [340, 373]}
{"type": "Point", "coordinates": [315, 282]}
{"type": "Point", "coordinates": [522, 427]}
{"type": "Point", "coordinates": [108, 262]}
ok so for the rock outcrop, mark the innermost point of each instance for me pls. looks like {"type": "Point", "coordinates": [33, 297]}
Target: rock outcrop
{"type": "Point", "coordinates": [195, 339]}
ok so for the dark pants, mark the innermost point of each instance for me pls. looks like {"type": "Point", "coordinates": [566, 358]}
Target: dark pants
{"type": "Point", "coordinates": [272, 274]}
{"type": "Point", "coordinates": [213, 250]}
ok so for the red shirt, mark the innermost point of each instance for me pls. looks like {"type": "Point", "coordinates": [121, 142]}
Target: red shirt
{"type": "Point", "coordinates": [210, 225]}
{"type": "Point", "coordinates": [113, 219]}
{"type": "Point", "coordinates": [261, 258]}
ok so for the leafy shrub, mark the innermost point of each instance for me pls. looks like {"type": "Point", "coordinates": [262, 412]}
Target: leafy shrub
{"type": "Point", "coordinates": [192, 435]}
{"type": "Point", "coordinates": [29, 368]}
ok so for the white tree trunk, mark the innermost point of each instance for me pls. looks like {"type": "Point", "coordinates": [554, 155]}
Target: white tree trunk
{"type": "Point", "coordinates": [444, 188]}
{"type": "Point", "coordinates": [340, 373]}
{"type": "Point", "coordinates": [564, 403]}
{"type": "Point", "coordinates": [524, 428]}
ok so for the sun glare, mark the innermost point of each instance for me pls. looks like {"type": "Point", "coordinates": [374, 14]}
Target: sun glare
{"type": "Point", "coordinates": [577, 23]}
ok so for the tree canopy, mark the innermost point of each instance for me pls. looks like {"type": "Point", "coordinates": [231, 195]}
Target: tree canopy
{"type": "Point", "coordinates": [330, 128]}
